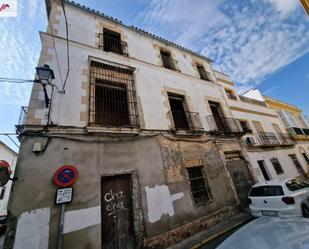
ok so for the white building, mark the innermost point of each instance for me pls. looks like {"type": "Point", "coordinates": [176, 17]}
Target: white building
{"type": "Point", "coordinates": [144, 121]}
{"type": "Point", "coordinates": [273, 152]}
{"type": "Point", "coordinates": [9, 155]}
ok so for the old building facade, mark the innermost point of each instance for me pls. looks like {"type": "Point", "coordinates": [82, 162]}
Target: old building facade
{"type": "Point", "coordinates": [148, 127]}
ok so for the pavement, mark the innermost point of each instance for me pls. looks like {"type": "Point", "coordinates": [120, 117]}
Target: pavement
{"type": "Point", "coordinates": [212, 237]}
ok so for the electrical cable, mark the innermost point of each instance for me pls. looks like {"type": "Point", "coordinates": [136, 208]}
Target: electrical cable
{"type": "Point", "coordinates": [67, 42]}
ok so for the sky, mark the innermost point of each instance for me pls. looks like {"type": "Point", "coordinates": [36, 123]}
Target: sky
{"type": "Point", "coordinates": [260, 43]}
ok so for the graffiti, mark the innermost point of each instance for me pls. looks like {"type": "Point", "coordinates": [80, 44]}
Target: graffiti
{"type": "Point", "coordinates": [114, 202]}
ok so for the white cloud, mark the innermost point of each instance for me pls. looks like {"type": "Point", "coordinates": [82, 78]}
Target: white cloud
{"type": "Point", "coordinates": [247, 39]}
{"type": "Point", "coordinates": [19, 51]}
{"type": "Point", "coordinates": [284, 7]}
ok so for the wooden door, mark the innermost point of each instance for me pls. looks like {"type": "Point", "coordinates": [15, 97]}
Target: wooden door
{"type": "Point", "coordinates": [116, 210]}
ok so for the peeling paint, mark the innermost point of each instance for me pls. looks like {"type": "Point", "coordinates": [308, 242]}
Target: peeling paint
{"type": "Point", "coordinates": [82, 218]}
{"type": "Point", "coordinates": [160, 202]}
{"type": "Point", "coordinates": [33, 229]}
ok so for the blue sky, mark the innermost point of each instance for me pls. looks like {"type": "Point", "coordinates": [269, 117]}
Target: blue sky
{"type": "Point", "coordinates": [260, 43]}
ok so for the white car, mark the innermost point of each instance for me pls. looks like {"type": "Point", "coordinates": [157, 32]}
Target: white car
{"type": "Point", "coordinates": [270, 233]}
{"type": "Point", "coordinates": [282, 198]}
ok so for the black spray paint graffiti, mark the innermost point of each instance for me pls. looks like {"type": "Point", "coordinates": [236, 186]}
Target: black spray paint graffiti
{"type": "Point", "coordinates": [114, 202]}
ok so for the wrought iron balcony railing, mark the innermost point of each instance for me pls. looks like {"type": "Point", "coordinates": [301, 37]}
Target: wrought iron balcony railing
{"type": "Point", "coordinates": [168, 62]}
{"type": "Point", "coordinates": [285, 139]}
{"type": "Point", "coordinates": [295, 131]}
{"type": "Point", "coordinates": [109, 43]}
{"type": "Point", "coordinates": [21, 119]}
{"type": "Point", "coordinates": [268, 138]}
{"type": "Point", "coordinates": [183, 120]}
{"type": "Point", "coordinates": [224, 125]}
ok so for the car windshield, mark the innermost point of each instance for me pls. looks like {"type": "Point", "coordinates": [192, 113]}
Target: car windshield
{"type": "Point", "coordinates": [267, 191]}
{"type": "Point", "coordinates": [296, 184]}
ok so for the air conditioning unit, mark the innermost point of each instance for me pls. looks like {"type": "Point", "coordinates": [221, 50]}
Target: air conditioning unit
{"type": "Point", "coordinates": [250, 141]}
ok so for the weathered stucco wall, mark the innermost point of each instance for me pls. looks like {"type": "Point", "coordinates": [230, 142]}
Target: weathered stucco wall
{"type": "Point", "coordinates": [161, 188]}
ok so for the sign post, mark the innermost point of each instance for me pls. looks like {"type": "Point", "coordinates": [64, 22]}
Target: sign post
{"type": "Point", "coordinates": [64, 177]}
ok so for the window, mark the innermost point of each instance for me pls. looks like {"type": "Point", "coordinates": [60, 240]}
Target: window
{"type": "Point", "coordinates": [262, 167]}
{"type": "Point", "coordinates": [297, 164]}
{"type": "Point", "coordinates": [277, 166]}
{"type": "Point", "coordinates": [218, 119]}
{"type": "Point", "coordinates": [266, 191]}
{"type": "Point", "coordinates": [296, 184]}
{"type": "Point", "coordinates": [167, 60]}
{"type": "Point", "coordinates": [112, 41]}
{"type": "Point", "coordinates": [230, 94]}
{"type": "Point", "coordinates": [2, 193]}
{"type": "Point", "coordinates": [258, 127]}
{"type": "Point", "coordinates": [245, 126]}
{"type": "Point", "coordinates": [179, 115]}
{"type": "Point", "coordinates": [306, 157]}
{"type": "Point", "coordinates": [198, 186]}
{"type": "Point", "coordinates": [112, 96]}
{"type": "Point", "coordinates": [202, 72]}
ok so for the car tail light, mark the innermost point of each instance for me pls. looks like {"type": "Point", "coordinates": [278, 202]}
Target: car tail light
{"type": "Point", "coordinates": [288, 200]}
{"type": "Point", "coordinates": [249, 201]}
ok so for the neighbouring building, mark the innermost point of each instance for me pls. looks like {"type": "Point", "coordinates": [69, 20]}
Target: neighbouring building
{"type": "Point", "coordinates": [10, 156]}
{"type": "Point", "coordinates": [273, 152]}
{"type": "Point", "coordinates": [297, 125]}
{"type": "Point", "coordinates": [305, 4]}
{"type": "Point", "coordinates": [146, 123]}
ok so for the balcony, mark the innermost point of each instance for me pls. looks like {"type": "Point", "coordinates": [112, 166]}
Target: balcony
{"type": "Point", "coordinates": [186, 121]}
{"type": "Point", "coordinates": [21, 119]}
{"type": "Point", "coordinates": [285, 139]}
{"type": "Point", "coordinates": [224, 126]}
{"type": "Point", "coordinates": [268, 138]}
{"type": "Point", "coordinates": [299, 133]}
{"type": "Point", "coordinates": [109, 43]}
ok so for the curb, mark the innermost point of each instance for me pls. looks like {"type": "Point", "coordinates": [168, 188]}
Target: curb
{"type": "Point", "coordinates": [202, 243]}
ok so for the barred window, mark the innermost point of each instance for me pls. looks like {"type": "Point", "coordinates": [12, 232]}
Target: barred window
{"type": "Point", "coordinates": [202, 72]}
{"type": "Point", "coordinates": [112, 96]}
{"type": "Point", "coordinates": [277, 166]}
{"type": "Point", "coordinates": [198, 185]}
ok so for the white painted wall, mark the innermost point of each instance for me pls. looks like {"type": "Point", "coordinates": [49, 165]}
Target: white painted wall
{"type": "Point", "coordinates": [150, 77]}
{"type": "Point", "coordinates": [10, 156]}
{"type": "Point", "coordinates": [254, 94]}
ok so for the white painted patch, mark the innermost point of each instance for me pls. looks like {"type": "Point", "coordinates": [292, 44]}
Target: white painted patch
{"type": "Point", "coordinates": [79, 219]}
{"type": "Point", "coordinates": [160, 201]}
{"type": "Point", "coordinates": [33, 229]}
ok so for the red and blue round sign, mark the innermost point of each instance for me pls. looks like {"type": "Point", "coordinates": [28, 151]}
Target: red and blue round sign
{"type": "Point", "coordinates": [65, 176]}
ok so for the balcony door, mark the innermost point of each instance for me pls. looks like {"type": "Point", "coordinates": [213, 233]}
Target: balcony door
{"type": "Point", "coordinates": [216, 112]}
{"type": "Point", "coordinates": [177, 104]}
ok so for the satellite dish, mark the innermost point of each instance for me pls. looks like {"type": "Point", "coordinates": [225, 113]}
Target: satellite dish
{"type": "Point", "coordinates": [5, 172]}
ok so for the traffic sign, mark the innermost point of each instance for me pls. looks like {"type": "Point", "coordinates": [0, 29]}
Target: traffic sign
{"type": "Point", "coordinates": [64, 195]}
{"type": "Point", "coordinates": [4, 172]}
{"type": "Point", "coordinates": [65, 176]}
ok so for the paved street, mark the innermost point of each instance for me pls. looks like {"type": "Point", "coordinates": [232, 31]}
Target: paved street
{"type": "Point", "coordinates": [216, 242]}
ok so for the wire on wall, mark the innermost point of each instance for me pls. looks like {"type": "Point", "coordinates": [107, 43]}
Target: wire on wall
{"type": "Point", "coordinates": [67, 42]}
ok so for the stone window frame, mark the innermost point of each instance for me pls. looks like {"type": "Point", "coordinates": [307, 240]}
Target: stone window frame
{"type": "Point", "coordinates": [206, 181]}
{"type": "Point", "coordinates": [158, 48]}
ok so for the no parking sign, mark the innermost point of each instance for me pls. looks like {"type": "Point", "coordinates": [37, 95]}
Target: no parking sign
{"type": "Point", "coordinates": [65, 176]}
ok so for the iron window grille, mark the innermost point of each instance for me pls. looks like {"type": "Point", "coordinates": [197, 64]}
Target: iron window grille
{"type": "Point", "coordinates": [111, 41]}
{"type": "Point", "coordinates": [112, 96]}
{"type": "Point", "coordinates": [198, 185]}
{"type": "Point", "coordinates": [277, 166]}
{"type": "Point", "coordinates": [268, 138]}
{"type": "Point", "coordinates": [297, 164]}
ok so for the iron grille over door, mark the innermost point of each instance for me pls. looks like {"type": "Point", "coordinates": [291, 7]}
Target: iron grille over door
{"type": "Point", "coordinates": [112, 96]}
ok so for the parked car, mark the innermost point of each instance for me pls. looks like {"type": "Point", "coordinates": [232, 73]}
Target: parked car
{"type": "Point", "coordinates": [3, 224]}
{"type": "Point", "coordinates": [270, 233]}
{"type": "Point", "coordinates": [289, 198]}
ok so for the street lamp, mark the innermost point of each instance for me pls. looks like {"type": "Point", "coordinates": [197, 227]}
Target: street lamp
{"type": "Point", "coordinates": [45, 75]}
